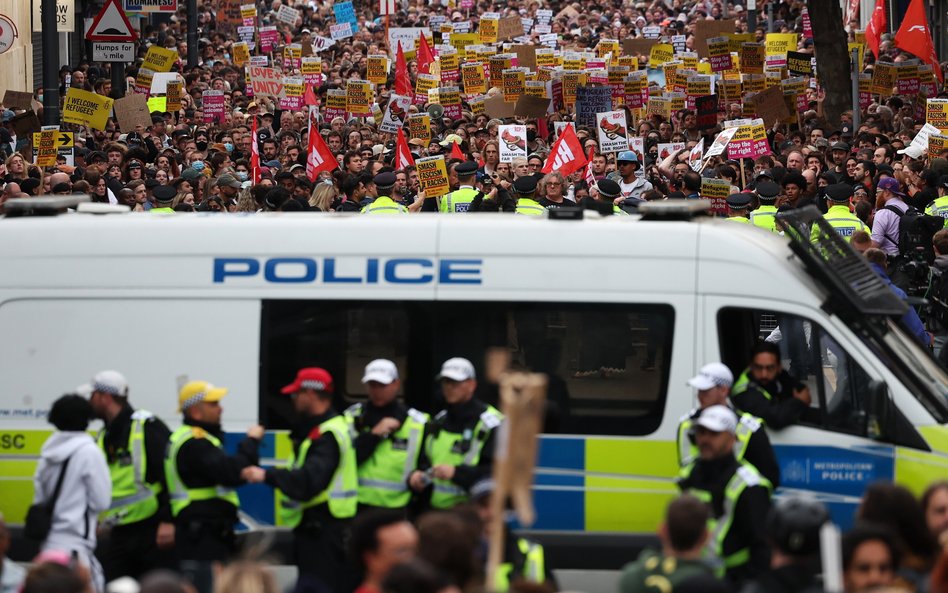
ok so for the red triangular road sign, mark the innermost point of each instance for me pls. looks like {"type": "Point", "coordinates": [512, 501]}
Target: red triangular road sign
{"type": "Point", "coordinates": [111, 24]}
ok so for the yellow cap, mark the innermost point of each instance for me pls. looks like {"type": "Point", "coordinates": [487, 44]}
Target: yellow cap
{"type": "Point", "coordinates": [199, 391]}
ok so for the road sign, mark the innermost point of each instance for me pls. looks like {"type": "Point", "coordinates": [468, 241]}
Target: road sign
{"type": "Point", "coordinates": [104, 51]}
{"type": "Point", "coordinates": [111, 24]}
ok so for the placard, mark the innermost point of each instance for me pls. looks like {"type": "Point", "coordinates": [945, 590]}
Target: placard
{"type": "Point", "coordinates": [159, 59]}
{"type": "Point", "coordinates": [293, 89]}
{"type": "Point", "coordinates": [770, 107]}
{"type": "Point", "coordinates": [509, 27]}
{"type": "Point", "coordinates": [376, 68]}
{"type": "Point", "coordinates": [419, 126]}
{"type": "Point", "coordinates": [937, 143]}
{"type": "Point", "coordinates": [716, 190]}
{"type": "Point", "coordinates": [212, 104]}
{"type": "Point", "coordinates": [753, 56]}
{"type": "Point", "coordinates": [513, 142]}
{"type": "Point", "coordinates": [705, 29]}
{"type": "Point", "coordinates": [173, 96]}
{"type": "Point", "coordinates": [396, 112]}
{"type": "Point", "coordinates": [707, 111]}
{"type": "Point", "coordinates": [83, 107]}
{"type": "Point", "coordinates": [659, 54]}
{"type": "Point", "coordinates": [719, 53]}
{"type": "Point", "coordinates": [359, 98]}
{"type": "Point", "coordinates": [131, 111]}
{"type": "Point", "coordinates": [936, 113]}
{"type": "Point", "coordinates": [798, 63]}
{"type": "Point", "coordinates": [335, 104]}
{"type": "Point", "coordinates": [17, 100]}
{"type": "Point", "coordinates": [720, 142]}
{"type": "Point", "coordinates": [474, 78]}
{"type": "Point", "coordinates": [265, 82]}
{"type": "Point", "coordinates": [613, 131]}
{"type": "Point", "coordinates": [433, 176]}
{"type": "Point", "coordinates": [591, 100]}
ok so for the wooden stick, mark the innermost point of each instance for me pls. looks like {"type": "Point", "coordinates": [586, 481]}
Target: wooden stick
{"type": "Point", "coordinates": [743, 177]}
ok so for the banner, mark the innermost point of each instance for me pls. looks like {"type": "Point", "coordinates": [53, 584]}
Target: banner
{"type": "Point", "coordinates": [433, 176]}
{"type": "Point", "coordinates": [83, 107]}
{"type": "Point", "coordinates": [513, 142]}
{"type": "Point", "coordinates": [613, 131]}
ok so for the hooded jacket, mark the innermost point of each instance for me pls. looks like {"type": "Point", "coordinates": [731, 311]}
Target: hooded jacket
{"type": "Point", "coordinates": [86, 489]}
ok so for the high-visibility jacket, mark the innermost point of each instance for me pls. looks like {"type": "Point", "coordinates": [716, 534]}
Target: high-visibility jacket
{"type": "Point", "coordinates": [384, 205]}
{"type": "Point", "coordinates": [457, 201]}
{"type": "Point", "coordinates": [719, 528]}
{"type": "Point", "coordinates": [747, 425]}
{"type": "Point", "coordinates": [764, 217]}
{"type": "Point", "coordinates": [844, 222]}
{"type": "Point", "coordinates": [743, 383]}
{"type": "Point", "coordinates": [534, 569]}
{"type": "Point", "coordinates": [181, 495]}
{"type": "Point", "coordinates": [458, 448]}
{"type": "Point", "coordinates": [383, 477]}
{"type": "Point", "coordinates": [341, 494]}
{"type": "Point", "coordinates": [133, 498]}
{"type": "Point", "coordinates": [939, 207]}
{"type": "Point", "coordinates": [530, 207]}
{"type": "Point", "coordinates": [741, 219]}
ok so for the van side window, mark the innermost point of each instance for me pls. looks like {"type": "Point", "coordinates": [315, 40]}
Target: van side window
{"type": "Point", "coordinates": [607, 364]}
{"type": "Point", "coordinates": [837, 383]}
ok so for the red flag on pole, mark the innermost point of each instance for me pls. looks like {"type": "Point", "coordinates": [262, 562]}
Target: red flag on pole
{"type": "Point", "coordinates": [876, 27]}
{"type": "Point", "coordinates": [254, 154]}
{"type": "Point", "coordinates": [456, 152]}
{"type": "Point", "coordinates": [309, 97]}
{"type": "Point", "coordinates": [403, 156]}
{"type": "Point", "coordinates": [590, 176]}
{"type": "Point", "coordinates": [402, 83]}
{"type": "Point", "coordinates": [424, 55]}
{"type": "Point", "coordinates": [320, 158]}
{"type": "Point", "coordinates": [915, 37]}
{"type": "Point", "coordinates": [566, 156]}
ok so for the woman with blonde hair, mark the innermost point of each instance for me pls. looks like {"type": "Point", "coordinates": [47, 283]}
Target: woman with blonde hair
{"type": "Point", "coordinates": [246, 577]}
{"type": "Point", "coordinates": [323, 196]}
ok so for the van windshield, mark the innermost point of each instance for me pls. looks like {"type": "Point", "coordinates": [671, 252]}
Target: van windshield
{"type": "Point", "coordinates": [921, 374]}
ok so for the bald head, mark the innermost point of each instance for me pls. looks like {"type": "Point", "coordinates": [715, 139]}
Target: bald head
{"type": "Point", "coordinates": [57, 178]}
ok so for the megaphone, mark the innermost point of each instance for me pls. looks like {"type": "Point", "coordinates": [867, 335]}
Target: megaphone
{"type": "Point", "coordinates": [435, 111]}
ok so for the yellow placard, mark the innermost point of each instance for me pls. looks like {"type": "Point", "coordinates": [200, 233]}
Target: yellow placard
{"type": "Point", "coordinates": [513, 84]}
{"type": "Point", "coordinates": [419, 126]}
{"type": "Point", "coordinates": [83, 107]}
{"type": "Point", "coordinates": [936, 113]}
{"type": "Point", "coordinates": [44, 143]}
{"type": "Point", "coordinates": [571, 81]}
{"type": "Point", "coordinates": [160, 104]}
{"type": "Point", "coordinates": [884, 77]}
{"type": "Point", "coordinates": [376, 68]}
{"type": "Point", "coordinates": [433, 176]}
{"type": "Point", "coordinates": [778, 44]}
{"type": "Point", "coordinates": [660, 53]}
{"type": "Point", "coordinates": [473, 78]}
{"type": "Point", "coordinates": [311, 66]}
{"type": "Point", "coordinates": [488, 28]}
{"type": "Point", "coordinates": [424, 83]}
{"type": "Point", "coordinates": [173, 96]}
{"type": "Point", "coordinates": [937, 144]}
{"type": "Point", "coordinates": [460, 41]}
{"type": "Point", "coordinates": [536, 88]}
{"type": "Point", "coordinates": [240, 51]}
{"type": "Point", "coordinates": [753, 56]}
{"type": "Point", "coordinates": [359, 98]}
{"type": "Point", "coordinates": [159, 59]}
{"type": "Point", "coordinates": [736, 40]}
{"type": "Point", "coordinates": [449, 61]}
{"type": "Point", "coordinates": [545, 57]}
{"type": "Point", "coordinates": [659, 106]}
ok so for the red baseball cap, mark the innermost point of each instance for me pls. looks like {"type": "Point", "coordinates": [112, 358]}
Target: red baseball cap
{"type": "Point", "coordinates": [310, 378]}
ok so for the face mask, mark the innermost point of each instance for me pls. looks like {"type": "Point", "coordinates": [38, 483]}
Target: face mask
{"type": "Point", "coordinates": [531, 135]}
{"type": "Point", "coordinates": [228, 147]}
{"type": "Point", "coordinates": [241, 175]}
{"type": "Point", "coordinates": [198, 165]}
{"type": "Point", "coordinates": [202, 145]}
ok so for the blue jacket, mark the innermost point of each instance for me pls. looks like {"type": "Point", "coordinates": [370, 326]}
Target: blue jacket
{"type": "Point", "coordinates": [910, 320]}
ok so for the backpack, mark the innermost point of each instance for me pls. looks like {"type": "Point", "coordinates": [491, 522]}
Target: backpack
{"type": "Point", "coordinates": [916, 230]}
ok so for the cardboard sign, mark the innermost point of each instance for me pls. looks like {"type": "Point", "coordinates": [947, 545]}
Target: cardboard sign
{"type": "Point", "coordinates": [705, 29]}
{"type": "Point", "coordinates": [359, 98]}
{"type": "Point", "coordinates": [496, 107]}
{"type": "Point", "coordinates": [160, 59]}
{"type": "Point", "coordinates": [532, 107]}
{"type": "Point", "coordinates": [131, 111]}
{"type": "Point", "coordinates": [770, 107]}
{"type": "Point", "coordinates": [433, 176]}
{"type": "Point", "coordinates": [613, 131]}
{"type": "Point", "coordinates": [526, 56]}
{"type": "Point", "coordinates": [716, 190]}
{"type": "Point", "coordinates": [24, 124]}
{"type": "Point", "coordinates": [18, 100]}
{"type": "Point", "coordinates": [265, 82]}
{"type": "Point", "coordinates": [83, 107]}
{"type": "Point", "coordinates": [591, 100]}
{"type": "Point", "coordinates": [513, 142]}
{"type": "Point", "coordinates": [509, 27]}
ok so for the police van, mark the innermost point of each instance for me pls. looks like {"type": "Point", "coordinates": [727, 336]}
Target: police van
{"type": "Point", "coordinates": [618, 311]}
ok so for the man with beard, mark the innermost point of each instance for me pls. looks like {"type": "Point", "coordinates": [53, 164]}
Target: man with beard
{"type": "Point", "coordinates": [769, 392]}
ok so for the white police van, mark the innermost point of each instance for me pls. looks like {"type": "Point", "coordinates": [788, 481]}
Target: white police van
{"type": "Point", "coordinates": [619, 311]}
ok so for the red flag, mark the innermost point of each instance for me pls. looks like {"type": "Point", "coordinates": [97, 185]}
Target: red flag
{"type": "Point", "coordinates": [456, 152]}
{"type": "Point", "coordinates": [566, 155]}
{"type": "Point", "coordinates": [590, 176]}
{"type": "Point", "coordinates": [254, 154]}
{"type": "Point", "coordinates": [543, 130]}
{"type": "Point", "coordinates": [403, 156]}
{"type": "Point", "coordinates": [309, 97]}
{"type": "Point", "coordinates": [424, 55]}
{"type": "Point", "coordinates": [402, 83]}
{"type": "Point", "coordinates": [876, 27]}
{"type": "Point", "coordinates": [914, 36]}
{"type": "Point", "coordinates": [320, 158]}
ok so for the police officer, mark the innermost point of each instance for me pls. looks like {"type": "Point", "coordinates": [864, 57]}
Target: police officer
{"type": "Point", "coordinates": [523, 559]}
{"type": "Point", "coordinates": [839, 215]}
{"type": "Point", "coordinates": [738, 206]}
{"type": "Point", "coordinates": [763, 216]}
{"type": "Point", "coordinates": [939, 206]}
{"type": "Point", "coordinates": [713, 383]}
{"type": "Point", "coordinates": [460, 199]}
{"type": "Point", "coordinates": [387, 436]}
{"type": "Point", "coordinates": [524, 190]}
{"type": "Point", "coordinates": [769, 392]}
{"type": "Point", "coordinates": [737, 495]}
{"type": "Point", "coordinates": [141, 532]}
{"type": "Point", "coordinates": [319, 485]}
{"type": "Point", "coordinates": [201, 479]}
{"type": "Point", "coordinates": [164, 196]}
{"type": "Point", "coordinates": [609, 191]}
{"type": "Point", "coordinates": [793, 525]}
{"type": "Point", "coordinates": [459, 447]}
{"type": "Point", "coordinates": [383, 204]}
